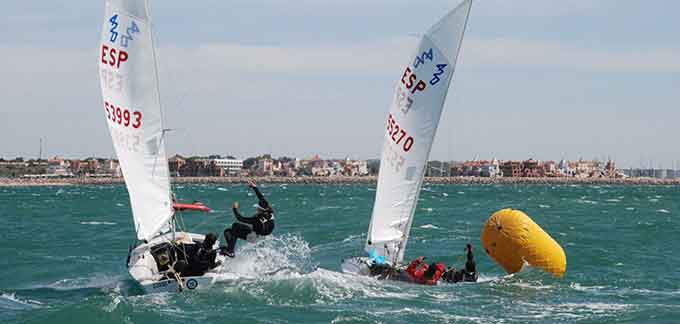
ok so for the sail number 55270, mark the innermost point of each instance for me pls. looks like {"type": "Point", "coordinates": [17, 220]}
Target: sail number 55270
{"type": "Point", "coordinates": [123, 116]}
{"type": "Point", "coordinates": [398, 134]}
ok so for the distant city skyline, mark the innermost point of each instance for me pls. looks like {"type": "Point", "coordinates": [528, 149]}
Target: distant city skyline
{"type": "Point", "coordinates": [543, 79]}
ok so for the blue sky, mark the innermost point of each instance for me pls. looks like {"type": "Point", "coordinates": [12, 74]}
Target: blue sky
{"type": "Point", "coordinates": [535, 78]}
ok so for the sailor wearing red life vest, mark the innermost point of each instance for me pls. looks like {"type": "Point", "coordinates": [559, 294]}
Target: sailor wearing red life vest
{"type": "Point", "coordinates": [423, 273]}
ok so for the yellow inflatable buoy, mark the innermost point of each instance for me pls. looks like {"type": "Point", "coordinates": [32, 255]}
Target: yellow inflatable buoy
{"type": "Point", "coordinates": [510, 238]}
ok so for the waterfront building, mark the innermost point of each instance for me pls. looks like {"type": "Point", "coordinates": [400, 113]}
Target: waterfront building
{"type": "Point", "coordinates": [567, 168]}
{"type": "Point", "coordinates": [201, 167]}
{"type": "Point", "coordinates": [175, 164]}
{"type": "Point", "coordinates": [110, 168]}
{"type": "Point", "coordinates": [531, 168]}
{"type": "Point", "coordinates": [265, 167]}
{"type": "Point", "coordinates": [511, 169]}
{"type": "Point", "coordinates": [490, 169]}
{"type": "Point", "coordinates": [456, 169]}
{"type": "Point", "coordinates": [59, 167]}
{"type": "Point", "coordinates": [659, 173]}
{"type": "Point", "coordinates": [232, 167]}
{"type": "Point", "coordinates": [586, 168]}
{"type": "Point", "coordinates": [90, 167]}
{"type": "Point", "coordinates": [472, 168]}
{"type": "Point", "coordinates": [550, 169]}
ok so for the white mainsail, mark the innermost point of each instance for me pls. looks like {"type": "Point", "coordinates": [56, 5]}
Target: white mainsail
{"type": "Point", "coordinates": [131, 105]}
{"type": "Point", "coordinates": [411, 126]}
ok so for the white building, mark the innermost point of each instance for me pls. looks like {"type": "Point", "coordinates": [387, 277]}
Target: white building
{"type": "Point", "coordinates": [232, 167]}
{"type": "Point", "coordinates": [490, 169]}
{"type": "Point", "coordinates": [58, 167]}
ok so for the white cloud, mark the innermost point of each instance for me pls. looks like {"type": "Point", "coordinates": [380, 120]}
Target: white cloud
{"type": "Point", "coordinates": [230, 86]}
{"type": "Point", "coordinates": [539, 54]}
{"type": "Point", "coordinates": [368, 58]}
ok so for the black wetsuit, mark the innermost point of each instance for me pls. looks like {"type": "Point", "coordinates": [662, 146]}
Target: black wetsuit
{"type": "Point", "coordinates": [469, 274]}
{"type": "Point", "coordinates": [195, 259]}
{"type": "Point", "coordinates": [261, 223]}
{"type": "Point", "coordinates": [201, 261]}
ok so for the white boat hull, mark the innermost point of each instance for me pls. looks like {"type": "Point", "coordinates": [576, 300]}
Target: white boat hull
{"type": "Point", "coordinates": [144, 269]}
{"type": "Point", "coordinates": [171, 286]}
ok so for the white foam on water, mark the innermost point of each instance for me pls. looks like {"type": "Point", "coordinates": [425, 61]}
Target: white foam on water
{"type": "Point", "coordinates": [630, 208]}
{"type": "Point", "coordinates": [445, 194]}
{"type": "Point", "coordinates": [544, 206]}
{"type": "Point", "coordinates": [327, 208]}
{"type": "Point", "coordinates": [97, 280]}
{"type": "Point", "coordinates": [653, 200]}
{"type": "Point", "coordinates": [663, 211]}
{"type": "Point", "coordinates": [429, 226]}
{"type": "Point", "coordinates": [460, 192]}
{"type": "Point", "coordinates": [260, 270]}
{"type": "Point", "coordinates": [267, 255]}
{"type": "Point", "coordinates": [586, 201]}
{"type": "Point", "coordinates": [433, 315]}
{"type": "Point", "coordinates": [577, 311]}
{"type": "Point", "coordinates": [10, 301]}
{"type": "Point", "coordinates": [97, 223]}
{"type": "Point", "coordinates": [351, 238]}
{"type": "Point", "coordinates": [578, 287]}
{"type": "Point", "coordinates": [613, 200]}
{"type": "Point", "coordinates": [222, 189]}
{"type": "Point", "coordinates": [116, 298]}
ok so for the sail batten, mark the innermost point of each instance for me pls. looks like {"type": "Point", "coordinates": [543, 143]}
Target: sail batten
{"type": "Point", "coordinates": [410, 129]}
{"type": "Point", "coordinates": [131, 106]}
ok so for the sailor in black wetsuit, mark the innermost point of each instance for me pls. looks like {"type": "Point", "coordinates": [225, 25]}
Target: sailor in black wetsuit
{"type": "Point", "coordinates": [469, 274]}
{"type": "Point", "coordinates": [248, 228]}
{"type": "Point", "coordinates": [192, 259]}
{"type": "Point", "coordinates": [203, 258]}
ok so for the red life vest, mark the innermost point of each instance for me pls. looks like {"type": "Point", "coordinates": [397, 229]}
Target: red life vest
{"type": "Point", "coordinates": [417, 271]}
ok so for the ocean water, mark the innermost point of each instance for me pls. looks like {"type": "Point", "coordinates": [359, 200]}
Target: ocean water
{"type": "Point", "coordinates": [64, 248]}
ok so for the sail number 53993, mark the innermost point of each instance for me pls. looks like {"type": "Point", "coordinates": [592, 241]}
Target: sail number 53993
{"type": "Point", "coordinates": [123, 116]}
{"type": "Point", "coordinates": [398, 135]}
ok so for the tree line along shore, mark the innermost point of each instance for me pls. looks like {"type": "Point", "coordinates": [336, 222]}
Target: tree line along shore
{"type": "Point", "coordinates": [15, 182]}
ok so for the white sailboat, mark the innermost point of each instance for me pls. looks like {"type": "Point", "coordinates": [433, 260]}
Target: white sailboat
{"type": "Point", "coordinates": [131, 104]}
{"type": "Point", "coordinates": [410, 129]}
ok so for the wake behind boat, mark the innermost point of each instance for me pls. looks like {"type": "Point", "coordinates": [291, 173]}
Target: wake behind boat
{"type": "Point", "coordinates": [411, 126]}
{"type": "Point", "coordinates": [131, 102]}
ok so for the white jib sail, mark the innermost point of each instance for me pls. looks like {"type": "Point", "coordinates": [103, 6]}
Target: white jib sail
{"type": "Point", "coordinates": [410, 129]}
{"type": "Point", "coordinates": [131, 105]}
